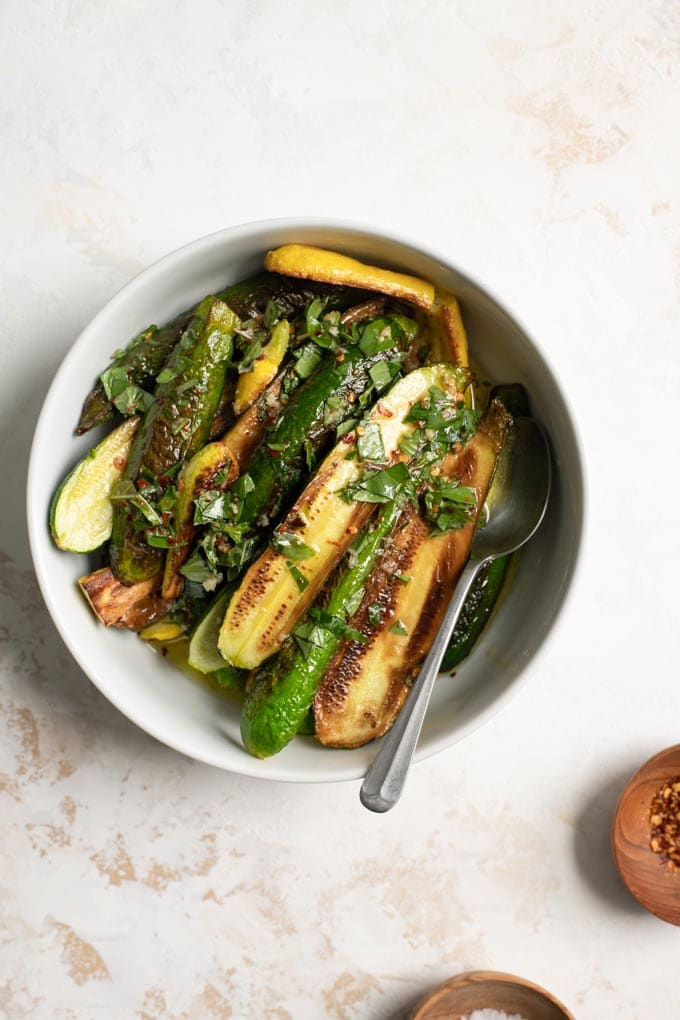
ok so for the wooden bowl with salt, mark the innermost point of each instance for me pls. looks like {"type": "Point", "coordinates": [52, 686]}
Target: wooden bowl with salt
{"type": "Point", "coordinates": [648, 872]}
{"type": "Point", "coordinates": [478, 990]}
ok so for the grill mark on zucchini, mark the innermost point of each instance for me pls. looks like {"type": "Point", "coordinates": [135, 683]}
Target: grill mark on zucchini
{"type": "Point", "coordinates": [366, 684]}
{"type": "Point", "coordinates": [258, 618]}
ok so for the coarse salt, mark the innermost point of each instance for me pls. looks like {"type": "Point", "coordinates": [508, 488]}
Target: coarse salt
{"type": "Point", "coordinates": [491, 1014]}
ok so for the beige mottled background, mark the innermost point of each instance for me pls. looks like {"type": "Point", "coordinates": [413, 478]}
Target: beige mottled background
{"type": "Point", "coordinates": [537, 144]}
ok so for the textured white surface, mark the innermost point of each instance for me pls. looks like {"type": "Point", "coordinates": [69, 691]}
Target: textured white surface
{"type": "Point", "coordinates": [538, 146]}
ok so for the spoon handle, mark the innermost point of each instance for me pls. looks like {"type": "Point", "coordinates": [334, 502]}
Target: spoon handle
{"type": "Point", "coordinates": [386, 776]}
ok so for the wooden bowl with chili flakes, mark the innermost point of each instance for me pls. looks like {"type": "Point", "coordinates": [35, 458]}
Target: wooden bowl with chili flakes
{"type": "Point", "coordinates": [646, 835]}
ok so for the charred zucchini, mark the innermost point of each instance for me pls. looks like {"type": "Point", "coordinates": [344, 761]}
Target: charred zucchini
{"type": "Point", "coordinates": [310, 263]}
{"type": "Point", "coordinates": [367, 682]}
{"type": "Point", "coordinates": [324, 520]}
{"type": "Point", "coordinates": [175, 426]}
{"type": "Point", "coordinates": [118, 605]}
{"type": "Point", "coordinates": [138, 365]}
{"type": "Point", "coordinates": [280, 693]}
{"type": "Point", "coordinates": [81, 514]}
{"type": "Point", "coordinates": [487, 588]}
{"type": "Point", "coordinates": [258, 376]}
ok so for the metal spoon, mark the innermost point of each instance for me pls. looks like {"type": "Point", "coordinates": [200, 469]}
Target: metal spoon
{"type": "Point", "coordinates": [515, 507]}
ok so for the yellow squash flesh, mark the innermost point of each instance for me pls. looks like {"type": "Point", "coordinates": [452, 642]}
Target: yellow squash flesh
{"type": "Point", "coordinates": [366, 685]}
{"type": "Point", "coordinates": [310, 263]}
{"type": "Point", "coordinates": [269, 601]}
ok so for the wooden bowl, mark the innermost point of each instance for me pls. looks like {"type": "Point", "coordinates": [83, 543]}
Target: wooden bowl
{"type": "Point", "coordinates": [652, 883]}
{"type": "Point", "coordinates": [488, 989]}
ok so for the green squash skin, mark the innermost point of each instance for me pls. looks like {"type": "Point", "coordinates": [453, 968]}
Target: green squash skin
{"type": "Point", "coordinates": [110, 447]}
{"type": "Point", "coordinates": [305, 431]}
{"type": "Point", "coordinates": [476, 612]}
{"type": "Point", "coordinates": [202, 354]}
{"type": "Point", "coordinates": [144, 358]}
{"type": "Point", "coordinates": [488, 586]}
{"type": "Point", "coordinates": [280, 693]}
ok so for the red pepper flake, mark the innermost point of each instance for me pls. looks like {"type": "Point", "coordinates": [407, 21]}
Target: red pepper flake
{"type": "Point", "coordinates": [349, 437]}
{"type": "Point", "coordinates": [664, 819]}
{"type": "Point", "coordinates": [142, 483]}
{"type": "Point", "coordinates": [384, 410]}
{"type": "Point", "coordinates": [119, 462]}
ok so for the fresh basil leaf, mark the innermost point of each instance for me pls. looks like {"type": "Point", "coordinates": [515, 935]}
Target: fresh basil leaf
{"type": "Point", "coordinates": [377, 486]}
{"type": "Point", "coordinates": [370, 444]}
{"type": "Point", "coordinates": [291, 545]}
{"type": "Point", "coordinates": [132, 400]}
{"type": "Point", "coordinates": [307, 360]}
{"type": "Point", "coordinates": [272, 314]}
{"type": "Point", "coordinates": [299, 578]}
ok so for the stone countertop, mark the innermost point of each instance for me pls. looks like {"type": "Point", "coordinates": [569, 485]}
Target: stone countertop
{"type": "Point", "coordinates": [537, 145]}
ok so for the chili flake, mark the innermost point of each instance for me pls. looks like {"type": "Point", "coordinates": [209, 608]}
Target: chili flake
{"type": "Point", "coordinates": [664, 818]}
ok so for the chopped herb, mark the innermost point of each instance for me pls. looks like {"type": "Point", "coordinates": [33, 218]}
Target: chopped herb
{"type": "Point", "coordinates": [299, 578]}
{"type": "Point", "coordinates": [346, 426]}
{"type": "Point", "coordinates": [308, 636]}
{"type": "Point", "coordinates": [277, 447]}
{"type": "Point", "coordinates": [310, 456]}
{"type": "Point", "coordinates": [376, 336]}
{"type": "Point", "coordinates": [181, 425]}
{"type": "Point", "coordinates": [251, 355]}
{"type": "Point", "coordinates": [291, 545]}
{"type": "Point", "coordinates": [377, 486]}
{"type": "Point", "coordinates": [210, 506]}
{"type": "Point", "coordinates": [196, 569]}
{"type": "Point", "coordinates": [114, 380]}
{"type": "Point", "coordinates": [125, 492]}
{"type": "Point", "coordinates": [162, 541]}
{"type": "Point", "coordinates": [449, 505]}
{"type": "Point", "coordinates": [370, 444]}
{"type": "Point", "coordinates": [307, 360]}
{"type": "Point", "coordinates": [132, 400]}
{"type": "Point", "coordinates": [374, 614]}
{"type": "Point", "coordinates": [399, 628]}
{"type": "Point", "coordinates": [272, 314]}
{"type": "Point", "coordinates": [354, 602]}
{"type": "Point", "coordinates": [382, 374]}
{"type": "Point", "coordinates": [410, 445]}
{"type": "Point", "coordinates": [336, 625]}
{"type": "Point", "coordinates": [403, 578]}
{"type": "Point", "coordinates": [189, 384]}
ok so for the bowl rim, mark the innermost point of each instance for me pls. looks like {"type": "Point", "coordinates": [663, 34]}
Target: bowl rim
{"type": "Point", "coordinates": [36, 514]}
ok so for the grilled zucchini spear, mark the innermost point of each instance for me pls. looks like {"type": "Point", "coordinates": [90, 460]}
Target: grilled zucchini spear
{"type": "Point", "coordinates": [280, 693]}
{"type": "Point", "coordinates": [367, 681]}
{"type": "Point", "coordinates": [175, 426]}
{"type": "Point", "coordinates": [325, 519]}
{"type": "Point", "coordinates": [141, 361]}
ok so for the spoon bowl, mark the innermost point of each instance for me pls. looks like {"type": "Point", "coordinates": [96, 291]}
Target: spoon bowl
{"type": "Point", "coordinates": [518, 497]}
{"type": "Point", "coordinates": [515, 506]}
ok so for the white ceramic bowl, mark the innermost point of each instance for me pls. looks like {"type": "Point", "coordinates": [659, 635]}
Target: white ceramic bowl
{"type": "Point", "coordinates": [165, 702]}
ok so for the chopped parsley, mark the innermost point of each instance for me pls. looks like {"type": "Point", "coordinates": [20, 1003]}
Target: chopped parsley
{"type": "Point", "coordinates": [398, 628]}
